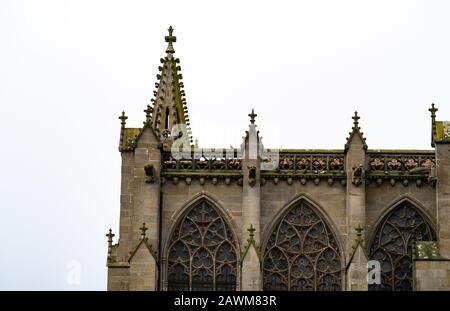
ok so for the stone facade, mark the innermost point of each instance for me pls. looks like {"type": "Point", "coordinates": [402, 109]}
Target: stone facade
{"type": "Point", "coordinates": [432, 275]}
{"type": "Point", "coordinates": [310, 221]}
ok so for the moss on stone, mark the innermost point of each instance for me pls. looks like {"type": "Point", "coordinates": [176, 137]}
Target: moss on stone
{"type": "Point", "coordinates": [128, 135]}
{"type": "Point", "coordinates": [442, 132]}
{"type": "Point", "coordinates": [427, 250]}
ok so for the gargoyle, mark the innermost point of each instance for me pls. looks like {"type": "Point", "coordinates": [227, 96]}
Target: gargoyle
{"type": "Point", "coordinates": [149, 173]}
{"type": "Point", "coordinates": [251, 175]}
{"type": "Point", "coordinates": [424, 170]}
{"type": "Point", "coordinates": [357, 174]}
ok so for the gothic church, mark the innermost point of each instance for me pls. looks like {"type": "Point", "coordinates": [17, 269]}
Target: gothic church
{"type": "Point", "coordinates": [252, 218]}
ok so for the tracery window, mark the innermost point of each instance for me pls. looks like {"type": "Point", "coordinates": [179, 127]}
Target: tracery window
{"type": "Point", "coordinates": [202, 252]}
{"type": "Point", "coordinates": [392, 246]}
{"type": "Point", "coordinates": [302, 253]}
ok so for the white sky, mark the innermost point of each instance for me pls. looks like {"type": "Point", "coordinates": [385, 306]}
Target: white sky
{"type": "Point", "coordinates": [68, 68]}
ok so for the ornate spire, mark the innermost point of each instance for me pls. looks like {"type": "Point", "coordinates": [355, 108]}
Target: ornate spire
{"type": "Point", "coordinates": [252, 116]}
{"type": "Point", "coordinates": [143, 230]}
{"type": "Point", "coordinates": [168, 106]}
{"type": "Point", "coordinates": [170, 39]}
{"type": "Point", "coordinates": [169, 103]}
{"type": "Point", "coordinates": [356, 129]}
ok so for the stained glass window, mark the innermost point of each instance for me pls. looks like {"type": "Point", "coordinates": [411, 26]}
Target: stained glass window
{"type": "Point", "coordinates": [302, 253]}
{"type": "Point", "coordinates": [202, 252]}
{"type": "Point", "coordinates": [392, 246]}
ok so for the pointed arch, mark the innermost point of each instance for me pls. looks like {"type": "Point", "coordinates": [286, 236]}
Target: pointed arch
{"type": "Point", "coordinates": [202, 250]}
{"type": "Point", "coordinates": [392, 205]}
{"type": "Point", "coordinates": [301, 249]}
{"type": "Point", "coordinates": [318, 207]}
{"type": "Point", "coordinates": [203, 195]}
{"type": "Point", "coordinates": [391, 239]}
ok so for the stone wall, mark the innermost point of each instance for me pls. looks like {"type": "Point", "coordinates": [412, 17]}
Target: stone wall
{"type": "Point", "coordinates": [332, 197]}
{"type": "Point", "coordinates": [432, 275]}
{"type": "Point", "coordinates": [443, 196]}
{"type": "Point", "coordinates": [275, 199]}
{"type": "Point", "coordinates": [143, 271]}
{"type": "Point", "coordinates": [118, 278]}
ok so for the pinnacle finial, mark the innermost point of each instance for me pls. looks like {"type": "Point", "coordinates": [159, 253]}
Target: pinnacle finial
{"type": "Point", "coordinates": [170, 39]}
{"type": "Point", "coordinates": [143, 230]}
{"type": "Point", "coordinates": [148, 113]}
{"type": "Point", "coordinates": [251, 231]}
{"type": "Point", "coordinates": [356, 119]}
{"type": "Point", "coordinates": [359, 234]}
{"type": "Point", "coordinates": [110, 236]}
{"type": "Point", "coordinates": [123, 118]}
{"type": "Point", "coordinates": [252, 116]}
{"type": "Point", "coordinates": [359, 230]}
{"type": "Point", "coordinates": [433, 111]}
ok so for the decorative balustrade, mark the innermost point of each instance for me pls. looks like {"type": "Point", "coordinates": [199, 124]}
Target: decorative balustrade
{"type": "Point", "coordinates": [417, 163]}
{"type": "Point", "coordinates": [304, 165]}
{"type": "Point", "coordinates": [202, 161]}
{"type": "Point", "coordinates": [311, 163]}
{"type": "Point", "coordinates": [401, 166]}
{"type": "Point", "coordinates": [301, 162]}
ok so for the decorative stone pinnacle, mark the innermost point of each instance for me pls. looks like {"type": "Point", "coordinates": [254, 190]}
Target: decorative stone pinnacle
{"type": "Point", "coordinates": [143, 230]}
{"type": "Point", "coordinates": [170, 39]}
{"type": "Point", "coordinates": [251, 231]}
{"type": "Point", "coordinates": [123, 118]}
{"type": "Point", "coordinates": [110, 236]}
{"type": "Point", "coordinates": [433, 111]}
{"type": "Point", "coordinates": [148, 113]}
{"type": "Point", "coordinates": [356, 120]}
{"type": "Point", "coordinates": [252, 116]}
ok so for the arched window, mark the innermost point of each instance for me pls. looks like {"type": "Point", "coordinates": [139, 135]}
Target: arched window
{"type": "Point", "coordinates": [392, 246]}
{"type": "Point", "coordinates": [302, 253]}
{"type": "Point", "coordinates": [167, 120]}
{"type": "Point", "coordinates": [202, 252]}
